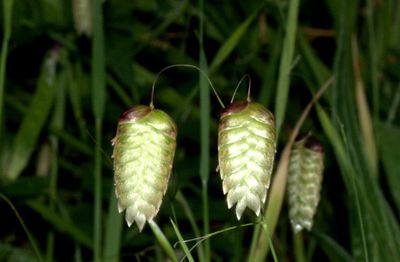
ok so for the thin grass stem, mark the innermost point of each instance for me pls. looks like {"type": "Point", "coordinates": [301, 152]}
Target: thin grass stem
{"type": "Point", "coordinates": [373, 58]}
{"type": "Point", "coordinates": [189, 214]}
{"type": "Point", "coordinates": [21, 221]}
{"type": "Point", "coordinates": [394, 106]}
{"type": "Point", "coordinates": [299, 247]}
{"type": "Point", "coordinates": [182, 243]}
{"type": "Point", "coordinates": [162, 239]}
{"type": "Point", "coordinates": [97, 193]}
{"type": "Point", "coordinates": [254, 241]}
{"type": "Point", "coordinates": [7, 15]}
{"type": "Point", "coordinates": [204, 133]}
{"type": "Point", "coordinates": [98, 101]}
{"type": "Point", "coordinates": [57, 122]}
{"type": "Point", "coordinates": [202, 72]}
{"type": "Point", "coordinates": [238, 85]}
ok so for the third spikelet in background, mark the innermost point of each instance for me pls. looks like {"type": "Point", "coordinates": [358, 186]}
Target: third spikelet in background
{"type": "Point", "coordinates": [304, 181]}
{"type": "Point", "coordinates": [82, 14]}
{"type": "Point", "coordinates": [246, 150]}
{"type": "Point", "coordinates": [144, 149]}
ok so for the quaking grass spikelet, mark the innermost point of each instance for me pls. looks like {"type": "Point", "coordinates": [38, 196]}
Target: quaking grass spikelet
{"type": "Point", "coordinates": [82, 16]}
{"type": "Point", "coordinates": [246, 150]}
{"type": "Point", "coordinates": [304, 182]}
{"type": "Point", "coordinates": [144, 149]}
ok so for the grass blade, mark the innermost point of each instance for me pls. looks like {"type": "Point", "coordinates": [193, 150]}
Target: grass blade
{"type": "Point", "coordinates": [112, 242]}
{"type": "Point", "coordinates": [7, 15]}
{"type": "Point", "coordinates": [269, 79]}
{"type": "Point", "coordinates": [364, 115]}
{"type": "Point", "coordinates": [169, 250]}
{"type": "Point", "coordinates": [27, 137]}
{"type": "Point", "coordinates": [97, 192]}
{"type": "Point", "coordinates": [182, 242]}
{"type": "Point", "coordinates": [319, 69]}
{"type": "Point", "coordinates": [286, 64]}
{"type": "Point", "coordinates": [189, 214]}
{"type": "Point", "coordinates": [204, 149]}
{"type": "Point", "coordinates": [98, 101]}
{"type": "Point", "coordinates": [72, 141]}
{"type": "Point", "coordinates": [379, 223]}
{"type": "Point", "coordinates": [204, 132]}
{"type": "Point", "coordinates": [230, 43]}
{"type": "Point", "coordinates": [201, 239]}
{"type": "Point", "coordinates": [98, 60]}
{"type": "Point", "coordinates": [334, 251]}
{"type": "Point", "coordinates": [373, 58]}
{"type": "Point", "coordinates": [376, 218]}
{"type": "Point", "coordinates": [62, 225]}
{"type": "Point", "coordinates": [388, 136]}
{"type": "Point", "coordinates": [57, 121]}
{"type": "Point", "coordinates": [125, 98]}
{"type": "Point", "coordinates": [77, 82]}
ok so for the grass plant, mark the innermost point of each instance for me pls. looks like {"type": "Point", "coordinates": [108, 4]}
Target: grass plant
{"type": "Point", "coordinates": [61, 94]}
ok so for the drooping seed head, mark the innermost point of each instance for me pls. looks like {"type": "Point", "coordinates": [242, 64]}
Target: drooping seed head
{"type": "Point", "coordinates": [246, 150]}
{"type": "Point", "coordinates": [144, 149]}
{"type": "Point", "coordinates": [304, 181]}
{"type": "Point", "coordinates": [82, 14]}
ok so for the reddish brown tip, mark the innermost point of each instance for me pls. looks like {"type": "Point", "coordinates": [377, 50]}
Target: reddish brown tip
{"type": "Point", "coordinates": [134, 113]}
{"type": "Point", "coordinates": [235, 107]}
{"type": "Point", "coordinates": [313, 144]}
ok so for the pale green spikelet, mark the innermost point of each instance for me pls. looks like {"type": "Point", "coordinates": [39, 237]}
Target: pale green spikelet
{"type": "Point", "coordinates": [304, 181]}
{"type": "Point", "coordinates": [246, 150]}
{"type": "Point", "coordinates": [82, 16]}
{"type": "Point", "coordinates": [144, 149]}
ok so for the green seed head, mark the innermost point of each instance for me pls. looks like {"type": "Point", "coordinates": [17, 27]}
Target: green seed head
{"type": "Point", "coordinates": [304, 182]}
{"type": "Point", "coordinates": [82, 16]}
{"type": "Point", "coordinates": [144, 149]}
{"type": "Point", "coordinates": [246, 150]}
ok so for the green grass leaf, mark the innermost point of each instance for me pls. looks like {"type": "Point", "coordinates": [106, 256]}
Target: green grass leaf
{"type": "Point", "coordinates": [7, 7]}
{"type": "Point", "coordinates": [182, 242]}
{"type": "Point", "coordinates": [205, 109]}
{"type": "Point", "coordinates": [370, 217]}
{"type": "Point", "coordinates": [113, 231]}
{"type": "Point", "coordinates": [286, 64]}
{"type": "Point", "coordinates": [60, 224]}
{"type": "Point", "coordinates": [180, 198]}
{"type": "Point", "coordinates": [34, 120]}
{"type": "Point", "coordinates": [77, 83]}
{"type": "Point", "coordinates": [231, 43]}
{"type": "Point", "coordinates": [388, 137]}
{"type": "Point", "coordinates": [98, 104]}
{"type": "Point", "coordinates": [332, 249]}
{"type": "Point", "coordinates": [162, 239]}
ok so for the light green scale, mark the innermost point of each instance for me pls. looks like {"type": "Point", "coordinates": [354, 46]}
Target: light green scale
{"type": "Point", "coordinates": [246, 150]}
{"type": "Point", "coordinates": [304, 182]}
{"type": "Point", "coordinates": [144, 149]}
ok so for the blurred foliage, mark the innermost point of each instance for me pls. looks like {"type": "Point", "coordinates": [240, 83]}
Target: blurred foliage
{"type": "Point", "coordinates": [48, 133]}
